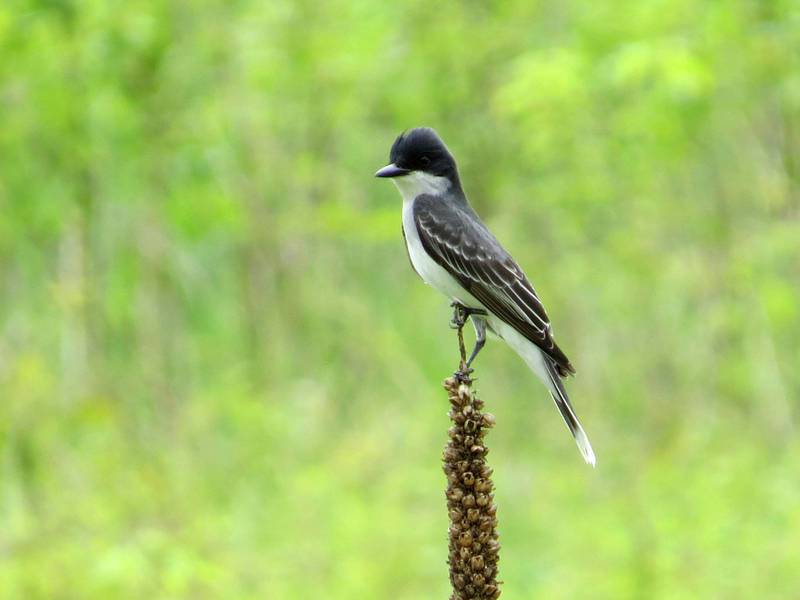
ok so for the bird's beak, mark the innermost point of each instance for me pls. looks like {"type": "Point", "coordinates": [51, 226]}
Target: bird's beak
{"type": "Point", "coordinates": [392, 170]}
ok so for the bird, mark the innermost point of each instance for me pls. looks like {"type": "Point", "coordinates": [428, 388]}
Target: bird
{"type": "Point", "coordinates": [453, 251]}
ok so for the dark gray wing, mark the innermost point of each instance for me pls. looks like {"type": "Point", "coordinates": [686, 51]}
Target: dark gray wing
{"type": "Point", "coordinates": [455, 238]}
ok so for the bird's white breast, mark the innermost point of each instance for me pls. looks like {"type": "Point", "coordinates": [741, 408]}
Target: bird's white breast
{"type": "Point", "coordinates": [410, 187]}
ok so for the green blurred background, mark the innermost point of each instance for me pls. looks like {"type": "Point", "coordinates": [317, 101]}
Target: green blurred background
{"type": "Point", "coordinates": [219, 377]}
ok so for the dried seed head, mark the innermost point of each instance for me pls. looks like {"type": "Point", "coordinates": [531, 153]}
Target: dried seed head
{"type": "Point", "coordinates": [473, 547]}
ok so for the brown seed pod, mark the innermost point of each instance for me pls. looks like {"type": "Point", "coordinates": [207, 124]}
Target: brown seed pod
{"type": "Point", "coordinates": [481, 485]}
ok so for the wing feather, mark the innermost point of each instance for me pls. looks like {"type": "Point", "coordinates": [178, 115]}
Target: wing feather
{"type": "Point", "coordinates": [457, 240]}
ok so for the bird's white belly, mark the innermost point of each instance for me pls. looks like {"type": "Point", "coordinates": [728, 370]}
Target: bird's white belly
{"type": "Point", "coordinates": [431, 273]}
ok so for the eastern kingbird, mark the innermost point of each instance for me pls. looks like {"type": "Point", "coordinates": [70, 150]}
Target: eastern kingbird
{"type": "Point", "coordinates": [452, 250]}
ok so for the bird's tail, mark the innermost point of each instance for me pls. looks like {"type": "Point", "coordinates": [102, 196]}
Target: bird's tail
{"type": "Point", "coordinates": [561, 399]}
{"type": "Point", "coordinates": [546, 371]}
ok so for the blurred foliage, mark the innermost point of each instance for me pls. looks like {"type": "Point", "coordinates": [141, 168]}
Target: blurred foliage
{"type": "Point", "coordinates": [219, 377]}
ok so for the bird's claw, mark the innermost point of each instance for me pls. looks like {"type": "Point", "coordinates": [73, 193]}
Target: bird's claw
{"type": "Point", "coordinates": [463, 375]}
{"type": "Point", "coordinates": [460, 316]}
{"type": "Point", "coordinates": [461, 313]}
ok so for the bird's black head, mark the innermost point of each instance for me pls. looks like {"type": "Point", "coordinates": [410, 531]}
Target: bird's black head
{"type": "Point", "coordinates": [420, 149]}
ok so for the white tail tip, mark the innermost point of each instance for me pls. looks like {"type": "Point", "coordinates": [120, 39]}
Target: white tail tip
{"type": "Point", "coordinates": [585, 447]}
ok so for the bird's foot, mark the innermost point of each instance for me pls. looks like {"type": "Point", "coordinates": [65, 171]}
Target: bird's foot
{"type": "Point", "coordinates": [461, 313]}
{"type": "Point", "coordinates": [463, 375]}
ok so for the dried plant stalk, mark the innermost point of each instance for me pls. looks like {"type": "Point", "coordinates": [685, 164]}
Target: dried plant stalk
{"type": "Point", "coordinates": [473, 523]}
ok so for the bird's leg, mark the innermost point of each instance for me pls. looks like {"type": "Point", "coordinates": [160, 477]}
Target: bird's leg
{"type": "Point", "coordinates": [480, 338]}
{"type": "Point", "coordinates": [460, 315]}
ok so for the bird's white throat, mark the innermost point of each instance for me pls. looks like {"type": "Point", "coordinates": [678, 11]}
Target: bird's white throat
{"type": "Point", "coordinates": [418, 182]}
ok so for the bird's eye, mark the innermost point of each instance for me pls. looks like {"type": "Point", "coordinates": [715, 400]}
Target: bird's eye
{"type": "Point", "coordinates": [425, 161]}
